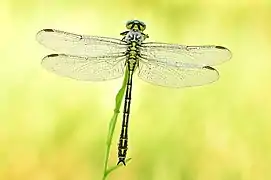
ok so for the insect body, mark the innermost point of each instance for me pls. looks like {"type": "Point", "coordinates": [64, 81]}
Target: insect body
{"type": "Point", "coordinates": [95, 58]}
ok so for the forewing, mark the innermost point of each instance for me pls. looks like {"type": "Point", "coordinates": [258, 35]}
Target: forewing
{"type": "Point", "coordinates": [85, 68]}
{"type": "Point", "coordinates": [176, 76]}
{"type": "Point", "coordinates": [80, 45]}
{"type": "Point", "coordinates": [179, 54]}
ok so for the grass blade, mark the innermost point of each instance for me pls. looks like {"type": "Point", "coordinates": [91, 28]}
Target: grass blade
{"type": "Point", "coordinates": [109, 170]}
{"type": "Point", "coordinates": [112, 125]}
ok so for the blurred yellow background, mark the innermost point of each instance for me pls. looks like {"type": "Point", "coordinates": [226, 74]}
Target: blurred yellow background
{"type": "Point", "coordinates": [55, 128]}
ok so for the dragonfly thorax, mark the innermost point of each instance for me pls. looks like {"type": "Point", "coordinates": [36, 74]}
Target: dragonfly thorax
{"type": "Point", "coordinates": [134, 36]}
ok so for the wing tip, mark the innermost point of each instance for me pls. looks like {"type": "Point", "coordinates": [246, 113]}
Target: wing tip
{"type": "Point", "coordinates": [48, 30]}
{"type": "Point", "coordinates": [210, 68]}
{"type": "Point", "coordinates": [52, 55]}
{"type": "Point", "coordinates": [226, 50]}
{"type": "Point", "coordinates": [39, 35]}
{"type": "Point", "coordinates": [221, 47]}
{"type": "Point", "coordinates": [49, 56]}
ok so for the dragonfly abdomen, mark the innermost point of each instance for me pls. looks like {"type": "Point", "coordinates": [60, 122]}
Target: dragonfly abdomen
{"type": "Point", "coordinates": [123, 141]}
{"type": "Point", "coordinates": [131, 63]}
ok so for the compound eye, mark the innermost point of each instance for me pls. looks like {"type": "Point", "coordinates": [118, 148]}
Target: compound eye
{"type": "Point", "coordinates": [142, 26]}
{"type": "Point", "coordinates": [129, 24]}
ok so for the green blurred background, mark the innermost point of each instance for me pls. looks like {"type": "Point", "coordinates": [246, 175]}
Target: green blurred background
{"type": "Point", "coordinates": [55, 128]}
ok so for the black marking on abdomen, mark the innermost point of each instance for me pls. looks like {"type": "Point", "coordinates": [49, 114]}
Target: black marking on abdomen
{"type": "Point", "coordinates": [123, 141]}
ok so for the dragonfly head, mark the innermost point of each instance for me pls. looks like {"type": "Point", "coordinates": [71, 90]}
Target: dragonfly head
{"type": "Point", "coordinates": [136, 25]}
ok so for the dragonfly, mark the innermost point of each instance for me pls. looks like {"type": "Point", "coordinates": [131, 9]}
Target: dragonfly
{"type": "Point", "coordinates": [97, 58]}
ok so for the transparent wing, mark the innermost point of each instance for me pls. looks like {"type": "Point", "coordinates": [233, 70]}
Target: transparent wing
{"type": "Point", "coordinates": [174, 76]}
{"type": "Point", "coordinates": [178, 54]}
{"type": "Point", "coordinates": [80, 45]}
{"type": "Point", "coordinates": [85, 68]}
